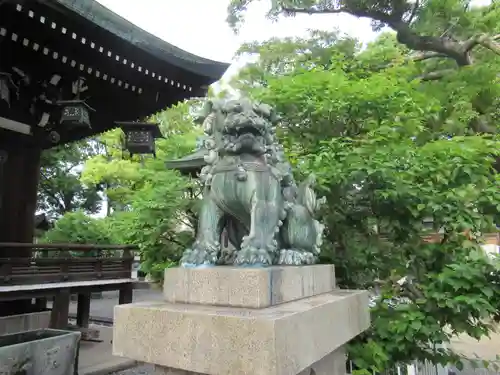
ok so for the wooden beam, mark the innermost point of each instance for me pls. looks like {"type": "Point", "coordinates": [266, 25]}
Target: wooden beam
{"type": "Point", "coordinates": [15, 126]}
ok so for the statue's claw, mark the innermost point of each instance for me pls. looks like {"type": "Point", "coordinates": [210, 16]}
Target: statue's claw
{"type": "Point", "coordinates": [291, 257]}
{"type": "Point", "coordinates": [198, 255]}
{"type": "Point", "coordinates": [252, 256]}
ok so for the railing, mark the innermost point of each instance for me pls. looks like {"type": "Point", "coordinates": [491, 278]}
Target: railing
{"type": "Point", "coordinates": [107, 262]}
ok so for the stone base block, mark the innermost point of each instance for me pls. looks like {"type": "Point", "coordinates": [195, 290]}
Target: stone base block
{"type": "Point", "coordinates": [246, 287]}
{"type": "Point", "coordinates": [283, 339]}
{"type": "Point", "coordinates": [332, 364]}
{"type": "Point", "coordinates": [24, 322]}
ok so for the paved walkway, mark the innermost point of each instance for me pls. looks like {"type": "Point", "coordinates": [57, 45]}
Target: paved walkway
{"type": "Point", "coordinates": [96, 358]}
{"type": "Point", "coordinates": [485, 349]}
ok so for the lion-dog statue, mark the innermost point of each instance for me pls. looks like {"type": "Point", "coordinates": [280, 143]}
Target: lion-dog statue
{"type": "Point", "coordinates": [249, 190]}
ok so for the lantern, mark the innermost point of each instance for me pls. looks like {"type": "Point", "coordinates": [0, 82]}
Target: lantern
{"type": "Point", "coordinates": [75, 113]}
{"type": "Point", "coordinates": [140, 137]}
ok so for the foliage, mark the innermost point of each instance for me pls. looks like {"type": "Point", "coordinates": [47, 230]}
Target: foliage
{"type": "Point", "coordinates": [151, 205]}
{"type": "Point", "coordinates": [397, 133]}
{"type": "Point", "coordinates": [60, 189]}
{"type": "Point", "coordinates": [451, 287]}
{"type": "Point", "coordinates": [79, 228]}
{"type": "Point", "coordinates": [441, 35]}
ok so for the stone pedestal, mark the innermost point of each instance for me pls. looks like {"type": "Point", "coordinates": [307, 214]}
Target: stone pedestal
{"type": "Point", "coordinates": [255, 321]}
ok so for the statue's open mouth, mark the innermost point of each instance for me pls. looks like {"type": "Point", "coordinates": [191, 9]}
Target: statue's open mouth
{"type": "Point", "coordinates": [246, 128]}
{"type": "Point", "coordinates": [245, 139]}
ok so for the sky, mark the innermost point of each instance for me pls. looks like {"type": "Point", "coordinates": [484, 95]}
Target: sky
{"type": "Point", "coordinates": [199, 26]}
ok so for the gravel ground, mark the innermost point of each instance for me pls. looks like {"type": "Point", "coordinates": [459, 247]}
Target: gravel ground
{"type": "Point", "coordinates": [139, 370]}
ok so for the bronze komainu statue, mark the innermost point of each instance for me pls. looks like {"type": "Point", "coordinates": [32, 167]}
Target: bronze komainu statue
{"type": "Point", "coordinates": [249, 190]}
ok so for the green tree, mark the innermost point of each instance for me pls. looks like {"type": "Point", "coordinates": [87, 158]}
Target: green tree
{"type": "Point", "coordinates": [60, 189]}
{"type": "Point", "coordinates": [391, 147]}
{"type": "Point", "coordinates": [443, 36]}
{"type": "Point", "coordinates": [152, 206]}
{"type": "Point", "coordinates": [79, 228]}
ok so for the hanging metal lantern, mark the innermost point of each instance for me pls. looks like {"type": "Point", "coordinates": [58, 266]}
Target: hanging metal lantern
{"type": "Point", "coordinates": [140, 137]}
{"type": "Point", "coordinates": [75, 113]}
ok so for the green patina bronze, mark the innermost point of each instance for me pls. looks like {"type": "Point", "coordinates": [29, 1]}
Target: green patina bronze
{"type": "Point", "coordinates": [250, 191]}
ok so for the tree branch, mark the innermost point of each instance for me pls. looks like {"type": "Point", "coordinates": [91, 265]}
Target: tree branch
{"type": "Point", "coordinates": [57, 201]}
{"type": "Point", "coordinates": [414, 11]}
{"type": "Point", "coordinates": [433, 76]}
{"type": "Point", "coordinates": [484, 40]}
{"type": "Point", "coordinates": [173, 240]}
{"type": "Point", "coordinates": [412, 290]}
{"type": "Point", "coordinates": [404, 34]}
{"type": "Point", "coordinates": [426, 56]}
{"type": "Point", "coordinates": [313, 10]}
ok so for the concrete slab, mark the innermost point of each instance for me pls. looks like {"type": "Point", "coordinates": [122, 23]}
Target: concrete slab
{"type": "Point", "coordinates": [207, 339]}
{"type": "Point", "coordinates": [96, 358]}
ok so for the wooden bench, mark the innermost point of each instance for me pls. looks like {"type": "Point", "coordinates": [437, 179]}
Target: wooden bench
{"type": "Point", "coordinates": [59, 277]}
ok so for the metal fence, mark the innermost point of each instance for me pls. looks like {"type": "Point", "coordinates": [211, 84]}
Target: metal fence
{"type": "Point", "coordinates": [477, 367]}
{"type": "Point", "coordinates": [470, 367]}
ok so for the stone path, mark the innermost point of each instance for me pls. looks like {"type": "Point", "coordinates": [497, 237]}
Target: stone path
{"type": "Point", "coordinates": [486, 348]}
{"type": "Point", "coordinates": [139, 370]}
{"type": "Point", "coordinates": [96, 358]}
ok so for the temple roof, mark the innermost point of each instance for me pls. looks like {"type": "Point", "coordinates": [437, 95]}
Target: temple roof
{"type": "Point", "coordinates": [124, 73]}
{"type": "Point", "coordinates": [119, 26]}
{"type": "Point", "coordinates": [189, 164]}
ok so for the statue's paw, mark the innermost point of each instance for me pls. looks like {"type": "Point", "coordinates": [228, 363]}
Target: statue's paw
{"type": "Point", "coordinates": [197, 256]}
{"type": "Point", "coordinates": [291, 257]}
{"type": "Point", "coordinates": [252, 256]}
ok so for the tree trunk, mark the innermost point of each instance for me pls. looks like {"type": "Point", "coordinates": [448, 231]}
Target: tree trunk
{"type": "Point", "coordinates": [19, 174]}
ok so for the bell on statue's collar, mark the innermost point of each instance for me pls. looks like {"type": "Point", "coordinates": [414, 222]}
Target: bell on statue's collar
{"type": "Point", "coordinates": [241, 173]}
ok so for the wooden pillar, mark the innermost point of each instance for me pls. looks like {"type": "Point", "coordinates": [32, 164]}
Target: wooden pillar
{"type": "Point", "coordinates": [18, 190]}
{"type": "Point", "coordinates": [18, 194]}
{"type": "Point", "coordinates": [126, 294]}
{"type": "Point", "coordinates": [60, 310]}
{"type": "Point", "coordinates": [40, 304]}
{"type": "Point", "coordinates": [83, 310]}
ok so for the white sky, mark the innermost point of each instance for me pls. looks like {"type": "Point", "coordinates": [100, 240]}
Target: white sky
{"type": "Point", "coordinates": [199, 26]}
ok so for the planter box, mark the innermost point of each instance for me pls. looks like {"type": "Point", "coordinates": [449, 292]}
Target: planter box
{"type": "Point", "coordinates": [24, 322]}
{"type": "Point", "coordinates": [40, 352]}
